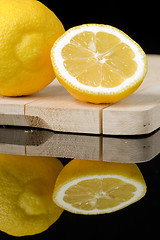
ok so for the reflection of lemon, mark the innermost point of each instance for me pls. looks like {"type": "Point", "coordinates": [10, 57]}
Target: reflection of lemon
{"type": "Point", "coordinates": [28, 30]}
{"type": "Point", "coordinates": [98, 63]}
{"type": "Point", "coordinates": [90, 187]}
{"type": "Point", "coordinates": [26, 186]}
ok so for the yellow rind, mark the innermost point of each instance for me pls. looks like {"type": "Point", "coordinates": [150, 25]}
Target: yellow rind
{"type": "Point", "coordinates": [26, 206]}
{"type": "Point", "coordinates": [28, 31]}
{"type": "Point", "coordinates": [97, 98]}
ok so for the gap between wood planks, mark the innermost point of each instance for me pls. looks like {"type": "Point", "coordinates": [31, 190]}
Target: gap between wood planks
{"type": "Point", "coordinates": [29, 103]}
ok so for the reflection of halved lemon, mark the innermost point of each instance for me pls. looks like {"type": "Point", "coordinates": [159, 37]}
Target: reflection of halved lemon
{"type": "Point", "coordinates": [98, 63]}
{"type": "Point", "coordinates": [26, 187]}
{"type": "Point", "coordinates": [90, 187]}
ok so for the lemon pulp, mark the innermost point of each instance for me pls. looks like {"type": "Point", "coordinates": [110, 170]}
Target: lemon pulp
{"type": "Point", "coordinates": [99, 193]}
{"type": "Point", "coordinates": [99, 59]}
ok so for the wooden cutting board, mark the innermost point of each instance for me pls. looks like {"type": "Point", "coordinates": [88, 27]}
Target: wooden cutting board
{"type": "Point", "coordinates": [54, 108]}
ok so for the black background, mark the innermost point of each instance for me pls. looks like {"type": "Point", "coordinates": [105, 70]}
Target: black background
{"type": "Point", "coordinates": [139, 19]}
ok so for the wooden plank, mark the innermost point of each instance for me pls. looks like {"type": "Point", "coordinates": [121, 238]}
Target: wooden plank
{"type": "Point", "coordinates": [59, 111]}
{"type": "Point", "coordinates": [131, 150]}
{"type": "Point", "coordinates": [140, 112]}
{"type": "Point", "coordinates": [12, 110]}
{"type": "Point", "coordinates": [68, 146]}
{"type": "Point", "coordinates": [52, 108]}
{"type": "Point", "coordinates": [33, 142]}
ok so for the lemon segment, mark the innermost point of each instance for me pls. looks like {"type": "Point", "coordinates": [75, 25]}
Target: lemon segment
{"type": "Point", "coordinates": [106, 193]}
{"type": "Point", "coordinates": [98, 63]}
{"type": "Point", "coordinates": [90, 187]}
{"type": "Point", "coordinates": [112, 59]}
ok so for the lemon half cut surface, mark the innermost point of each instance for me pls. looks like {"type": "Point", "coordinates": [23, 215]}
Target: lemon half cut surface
{"type": "Point", "coordinates": [91, 187]}
{"type": "Point", "coordinates": [98, 63]}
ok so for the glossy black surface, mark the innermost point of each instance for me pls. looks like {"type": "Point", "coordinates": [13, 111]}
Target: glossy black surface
{"type": "Point", "coordinates": [138, 218]}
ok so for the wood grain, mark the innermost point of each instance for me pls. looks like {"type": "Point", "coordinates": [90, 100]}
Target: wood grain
{"type": "Point", "coordinates": [39, 142]}
{"type": "Point", "coordinates": [59, 111]}
{"type": "Point", "coordinates": [140, 112]}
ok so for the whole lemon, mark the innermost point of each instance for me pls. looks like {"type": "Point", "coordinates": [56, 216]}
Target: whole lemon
{"type": "Point", "coordinates": [28, 30]}
{"type": "Point", "coordinates": [26, 187]}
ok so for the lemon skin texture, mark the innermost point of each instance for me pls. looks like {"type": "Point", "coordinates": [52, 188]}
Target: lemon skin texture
{"type": "Point", "coordinates": [27, 183]}
{"type": "Point", "coordinates": [28, 30]}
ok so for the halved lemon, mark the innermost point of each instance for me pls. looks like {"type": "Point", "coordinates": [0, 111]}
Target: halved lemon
{"type": "Point", "coordinates": [98, 63]}
{"type": "Point", "coordinates": [92, 187]}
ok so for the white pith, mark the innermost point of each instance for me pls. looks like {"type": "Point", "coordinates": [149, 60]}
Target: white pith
{"type": "Point", "coordinates": [129, 82]}
{"type": "Point", "coordinates": [61, 193]}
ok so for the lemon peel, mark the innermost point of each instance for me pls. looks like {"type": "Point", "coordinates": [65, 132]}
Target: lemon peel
{"type": "Point", "coordinates": [27, 183]}
{"type": "Point", "coordinates": [27, 33]}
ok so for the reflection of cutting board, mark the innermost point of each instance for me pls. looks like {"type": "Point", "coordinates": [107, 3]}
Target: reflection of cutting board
{"type": "Point", "coordinates": [33, 142]}
{"type": "Point", "coordinates": [54, 108]}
